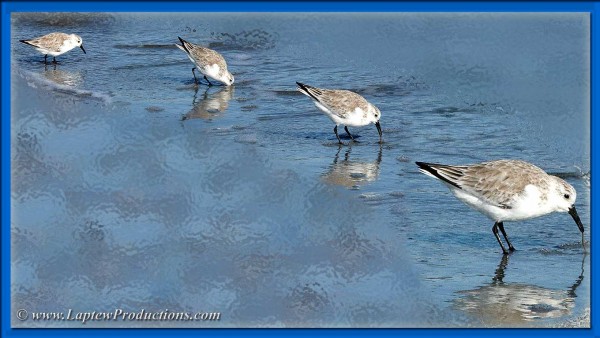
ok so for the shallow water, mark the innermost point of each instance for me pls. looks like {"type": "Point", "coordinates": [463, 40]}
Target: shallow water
{"type": "Point", "coordinates": [132, 188]}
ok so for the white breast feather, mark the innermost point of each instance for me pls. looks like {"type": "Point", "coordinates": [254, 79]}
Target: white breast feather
{"type": "Point", "coordinates": [212, 71]}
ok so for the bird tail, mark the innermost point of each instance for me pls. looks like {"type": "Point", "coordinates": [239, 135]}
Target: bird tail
{"type": "Point", "coordinates": [26, 42]}
{"type": "Point", "coordinates": [185, 46]}
{"type": "Point", "coordinates": [442, 172]}
{"type": "Point", "coordinates": [309, 91]}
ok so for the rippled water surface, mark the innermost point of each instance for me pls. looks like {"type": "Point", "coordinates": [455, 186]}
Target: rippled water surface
{"type": "Point", "coordinates": [133, 189]}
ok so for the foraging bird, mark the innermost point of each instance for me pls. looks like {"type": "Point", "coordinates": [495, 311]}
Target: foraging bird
{"type": "Point", "coordinates": [55, 44]}
{"type": "Point", "coordinates": [343, 107]}
{"type": "Point", "coordinates": [208, 62]}
{"type": "Point", "coordinates": [507, 190]}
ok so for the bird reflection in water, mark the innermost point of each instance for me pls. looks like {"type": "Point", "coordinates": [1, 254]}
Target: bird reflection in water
{"type": "Point", "coordinates": [63, 77]}
{"type": "Point", "coordinates": [211, 105]}
{"type": "Point", "coordinates": [516, 304]}
{"type": "Point", "coordinates": [352, 174]}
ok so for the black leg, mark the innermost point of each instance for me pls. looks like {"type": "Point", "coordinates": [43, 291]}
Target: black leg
{"type": "Point", "coordinates": [54, 60]}
{"type": "Point", "coordinates": [336, 134]}
{"type": "Point", "coordinates": [194, 73]}
{"type": "Point", "coordinates": [510, 246]}
{"type": "Point", "coordinates": [348, 132]}
{"type": "Point", "coordinates": [205, 78]}
{"type": "Point", "coordinates": [495, 231]}
{"type": "Point", "coordinates": [46, 59]}
{"type": "Point", "coordinates": [379, 131]}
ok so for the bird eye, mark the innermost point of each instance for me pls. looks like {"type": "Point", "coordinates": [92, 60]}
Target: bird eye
{"type": "Point", "coordinates": [566, 196]}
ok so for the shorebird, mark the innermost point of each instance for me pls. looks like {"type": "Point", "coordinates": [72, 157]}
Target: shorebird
{"type": "Point", "coordinates": [55, 44]}
{"type": "Point", "coordinates": [209, 62]}
{"type": "Point", "coordinates": [343, 107]}
{"type": "Point", "coordinates": [507, 190]}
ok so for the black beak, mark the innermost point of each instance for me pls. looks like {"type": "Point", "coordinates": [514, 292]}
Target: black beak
{"type": "Point", "coordinates": [573, 213]}
{"type": "Point", "coordinates": [379, 131]}
{"type": "Point", "coordinates": [82, 49]}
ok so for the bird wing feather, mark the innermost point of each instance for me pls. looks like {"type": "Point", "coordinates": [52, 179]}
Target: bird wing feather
{"type": "Point", "coordinates": [50, 42]}
{"type": "Point", "coordinates": [338, 102]}
{"type": "Point", "coordinates": [497, 182]}
{"type": "Point", "coordinates": [204, 56]}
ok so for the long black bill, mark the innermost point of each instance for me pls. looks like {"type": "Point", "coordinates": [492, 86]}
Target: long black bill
{"type": "Point", "coordinates": [379, 131]}
{"type": "Point", "coordinates": [82, 49]}
{"type": "Point", "coordinates": [573, 213]}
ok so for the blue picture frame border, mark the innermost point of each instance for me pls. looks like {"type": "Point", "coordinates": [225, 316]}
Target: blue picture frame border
{"type": "Point", "coordinates": [8, 7]}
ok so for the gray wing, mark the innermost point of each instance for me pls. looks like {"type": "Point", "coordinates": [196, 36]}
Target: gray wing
{"type": "Point", "coordinates": [203, 55]}
{"type": "Point", "coordinates": [496, 182]}
{"type": "Point", "coordinates": [339, 102]}
{"type": "Point", "coordinates": [50, 42]}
